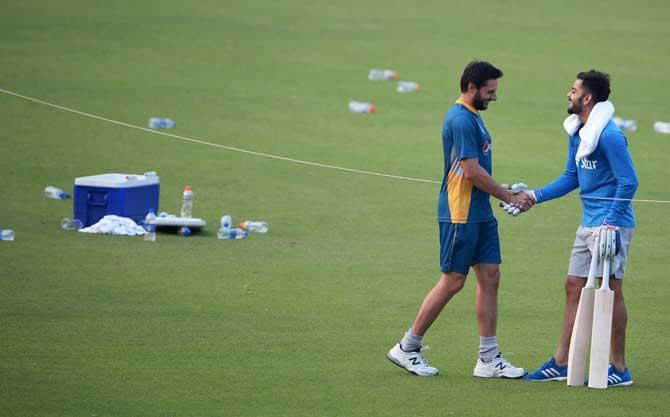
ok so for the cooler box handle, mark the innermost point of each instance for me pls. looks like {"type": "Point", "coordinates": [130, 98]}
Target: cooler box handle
{"type": "Point", "coordinates": [94, 199]}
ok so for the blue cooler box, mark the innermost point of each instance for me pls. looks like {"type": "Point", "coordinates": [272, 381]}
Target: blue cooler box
{"type": "Point", "coordinates": [124, 195]}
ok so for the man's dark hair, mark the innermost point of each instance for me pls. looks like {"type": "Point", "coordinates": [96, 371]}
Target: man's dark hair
{"type": "Point", "coordinates": [597, 83]}
{"type": "Point", "coordinates": [478, 73]}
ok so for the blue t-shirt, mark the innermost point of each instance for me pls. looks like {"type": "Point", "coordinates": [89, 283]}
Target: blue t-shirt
{"type": "Point", "coordinates": [464, 136]}
{"type": "Point", "coordinates": [608, 172]}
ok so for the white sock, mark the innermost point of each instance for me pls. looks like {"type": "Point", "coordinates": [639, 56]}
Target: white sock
{"type": "Point", "coordinates": [488, 348]}
{"type": "Point", "coordinates": [411, 342]}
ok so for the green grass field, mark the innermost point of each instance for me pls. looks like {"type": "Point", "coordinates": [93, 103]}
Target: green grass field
{"type": "Point", "coordinates": [297, 322]}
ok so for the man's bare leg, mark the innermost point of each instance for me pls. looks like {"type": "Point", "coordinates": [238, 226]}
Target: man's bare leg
{"type": "Point", "coordinates": [573, 291]}
{"type": "Point", "coordinates": [407, 353]}
{"type": "Point", "coordinates": [486, 299]}
{"type": "Point", "coordinates": [449, 284]}
{"type": "Point", "coordinates": [619, 322]}
{"type": "Point", "coordinates": [490, 363]}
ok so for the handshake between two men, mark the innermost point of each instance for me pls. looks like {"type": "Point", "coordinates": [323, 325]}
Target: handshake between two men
{"type": "Point", "coordinates": [522, 199]}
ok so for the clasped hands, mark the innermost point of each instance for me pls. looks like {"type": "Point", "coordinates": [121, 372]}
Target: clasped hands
{"type": "Point", "coordinates": [522, 199]}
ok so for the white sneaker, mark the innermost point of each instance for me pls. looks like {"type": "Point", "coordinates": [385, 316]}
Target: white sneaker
{"type": "Point", "coordinates": [499, 367]}
{"type": "Point", "coordinates": [413, 362]}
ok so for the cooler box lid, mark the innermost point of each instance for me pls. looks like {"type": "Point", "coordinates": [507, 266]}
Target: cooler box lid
{"type": "Point", "coordinates": [118, 180]}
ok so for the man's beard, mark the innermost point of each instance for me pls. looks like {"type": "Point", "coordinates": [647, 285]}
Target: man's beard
{"type": "Point", "coordinates": [576, 107]}
{"type": "Point", "coordinates": [478, 103]}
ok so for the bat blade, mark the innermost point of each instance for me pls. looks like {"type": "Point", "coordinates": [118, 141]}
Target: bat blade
{"type": "Point", "coordinates": [581, 337]}
{"type": "Point", "coordinates": [601, 338]}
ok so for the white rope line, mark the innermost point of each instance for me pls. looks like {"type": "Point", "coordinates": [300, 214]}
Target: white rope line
{"type": "Point", "coordinates": [626, 199]}
{"type": "Point", "coordinates": [231, 148]}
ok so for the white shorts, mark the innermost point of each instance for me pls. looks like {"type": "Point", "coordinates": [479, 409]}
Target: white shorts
{"type": "Point", "coordinates": [580, 259]}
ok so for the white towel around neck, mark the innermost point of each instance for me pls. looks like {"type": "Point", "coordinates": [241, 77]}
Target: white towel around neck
{"type": "Point", "coordinates": [590, 134]}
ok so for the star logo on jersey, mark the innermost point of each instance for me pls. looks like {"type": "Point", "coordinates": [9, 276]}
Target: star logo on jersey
{"type": "Point", "coordinates": [587, 164]}
{"type": "Point", "coordinates": [486, 148]}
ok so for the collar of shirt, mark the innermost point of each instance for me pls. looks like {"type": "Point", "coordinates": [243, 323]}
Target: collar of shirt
{"type": "Point", "coordinates": [467, 106]}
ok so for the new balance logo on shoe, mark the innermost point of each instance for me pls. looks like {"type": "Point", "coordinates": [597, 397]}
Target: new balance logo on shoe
{"type": "Point", "coordinates": [499, 367]}
{"type": "Point", "coordinates": [413, 362]}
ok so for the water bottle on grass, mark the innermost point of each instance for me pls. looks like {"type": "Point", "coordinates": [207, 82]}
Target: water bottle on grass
{"type": "Point", "coordinates": [184, 231]}
{"type": "Point", "coordinates": [7, 235]}
{"type": "Point", "coordinates": [55, 193]}
{"type": "Point", "coordinates": [382, 75]}
{"type": "Point", "coordinates": [187, 202]}
{"type": "Point", "coordinates": [161, 123]}
{"type": "Point", "coordinates": [361, 107]}
{"type": "Point", "coordinates": [252, 226]}
{"type": "Point", "coordinates": [407, 87]}
{"type": "Point", "coordinates": [150, 227]}
{"type": "Point", "coordinates": [71, 224]}
{"type": "Point", "coordinates": [231, 234]}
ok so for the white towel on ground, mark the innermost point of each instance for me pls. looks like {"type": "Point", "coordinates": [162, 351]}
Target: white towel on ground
{"type": "Point", "coordinates": [115, 225]}
{"type": "Point", "coordinates": [590, 134]}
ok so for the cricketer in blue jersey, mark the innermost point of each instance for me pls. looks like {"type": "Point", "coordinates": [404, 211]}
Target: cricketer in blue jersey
{"type": "Point", "coordinates": [468, 230]}
{"type": "Point", "coordinates": [607, 181]}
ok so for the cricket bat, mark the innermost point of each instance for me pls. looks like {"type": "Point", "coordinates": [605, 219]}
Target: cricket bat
{"type": "Point", "coordinates": [581, 329]}
{"type": "Point", "coordinates": [601, 336]}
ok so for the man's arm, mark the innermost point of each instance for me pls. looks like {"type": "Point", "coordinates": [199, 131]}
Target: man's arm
{"type": "Point", "coordinates": [482, 180]}
{"type": "Point", "coordinates": [562, 185]}
{"type": "Point", "coordinates": [621, 163]}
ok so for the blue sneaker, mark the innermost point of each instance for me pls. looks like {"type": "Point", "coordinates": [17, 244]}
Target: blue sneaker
{"type": "Point", "coordinates": [618, 379]}
{"type": "Point", "coordinates": [549, 371]}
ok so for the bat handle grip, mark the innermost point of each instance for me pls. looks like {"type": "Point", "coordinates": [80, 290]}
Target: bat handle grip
{"type": "Point", "coordinates": [593, 270]}
{"type": "Point", "coordinates": [608, 257]}
{"type": "Point", "coordinates": [606, 274]}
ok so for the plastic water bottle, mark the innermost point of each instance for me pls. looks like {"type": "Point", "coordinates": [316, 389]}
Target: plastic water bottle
{"type": "Point", "coordinates": [150, 227]}
{"type": "Point", "coordinates": [184, 231]}
{"type": "Point", "coordinates": [55, 193]}
{"type": "Point", "coordinates": [231, 234]}
{"type": "Point", "coordinates": [625, 124]}
{"type": "Point", "coordinates": [630, 125]}
{"type": "Point", "coordinates": [7, 235]}
{"type": "Point", "coordinates": [187, 202]}
{"type": "Point", "coordinates": [161, 123]}
{"type": "Point", "coordinates": [662, 127]}
{"type": "Point", "coordinates": [361, 107]}
{"type": "Point", "coordinates": [381, 75]}
{"type": "Point", "coordinates": [226, 222]}
{"type": "Point", "coordinates": [71, 224]}
{"type": "Point", "coordinates": [407, 87]}
{"type": "Point", "coordinates": [252, 226]}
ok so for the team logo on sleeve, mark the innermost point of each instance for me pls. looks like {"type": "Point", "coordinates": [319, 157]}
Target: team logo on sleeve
{"type": "Point", "coordinates": [486, 148]}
